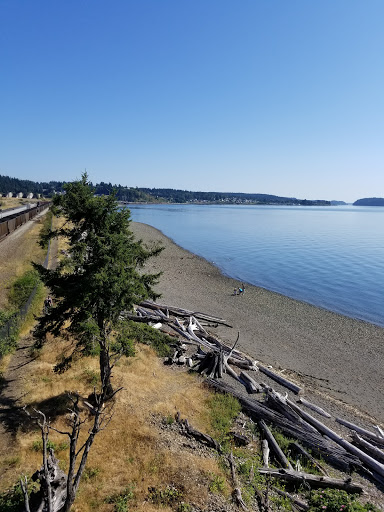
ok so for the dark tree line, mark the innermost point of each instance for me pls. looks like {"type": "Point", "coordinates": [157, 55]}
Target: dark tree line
{"type": "Point", "coordinates": [152, 195]}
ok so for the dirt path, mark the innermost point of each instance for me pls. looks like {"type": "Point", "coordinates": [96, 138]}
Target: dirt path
{"type": "Point", "coordinates": [12, 395]}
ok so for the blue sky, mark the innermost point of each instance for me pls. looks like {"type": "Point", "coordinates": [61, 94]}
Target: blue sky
{"type": "Point", "coordinates": [276, 96]}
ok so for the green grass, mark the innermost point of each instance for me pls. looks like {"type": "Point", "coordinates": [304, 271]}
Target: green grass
{"type": "Point", "coordinates": [22, 288]}
{"type": "Point", "coordinates": [223, 410]}
{"type": "Point", "coordinates": [130, 332]}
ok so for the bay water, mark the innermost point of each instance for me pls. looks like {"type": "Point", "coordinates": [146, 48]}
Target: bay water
{"type": "Point", "coordinates": [332, 257]}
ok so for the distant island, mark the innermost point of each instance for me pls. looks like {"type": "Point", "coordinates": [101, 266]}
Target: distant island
{"type": "Point", "coordinates": [338, 203]}
{"type": "Point", "coordinates": [370, 201]}
{"type": "Point", "coordinates": [154, 195]}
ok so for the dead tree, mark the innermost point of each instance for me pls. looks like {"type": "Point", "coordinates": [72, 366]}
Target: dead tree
{"type": "Point", "coordinates": [58, 490]}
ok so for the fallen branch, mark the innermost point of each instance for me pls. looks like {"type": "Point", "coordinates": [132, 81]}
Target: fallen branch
{"type": "Point", "coordinates": [314, 480]}
{"type": "Point", "coordinates": [237, 491]}
{"type": "Point", "coordinates": [300, 504]}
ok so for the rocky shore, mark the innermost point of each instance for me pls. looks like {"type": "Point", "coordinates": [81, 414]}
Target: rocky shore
{"type": "Point", "coordinates": [338, 359]}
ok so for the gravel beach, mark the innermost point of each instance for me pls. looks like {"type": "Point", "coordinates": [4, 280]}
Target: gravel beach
{"type": "Point", "coordinates": [335, 357]}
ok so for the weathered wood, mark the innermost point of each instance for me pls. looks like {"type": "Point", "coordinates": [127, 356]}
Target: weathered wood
{"type": "Point", "coordinates": [309, 457]}
{"type": "Point", "coordinates": [275, 447]}
{"type": "Point", "coordinates": [322, 446]}
{"type": "Point", "coordinates": [237, 491]}
{"type": "Point", "coordinates": [280, 403]}
{"type": "Point", "coordinates": [362, 431]}
{"type": "Point", "coordinates": [183, 312]}
{"type": "Point", "coordinates": [199, 436]}
{"type": "Point", "coordinates": [252, 386]}
{"type": "Point", "coordinates": [231, 372]}
{"type": "Point", "coordinates": [375, 452]}
{"type": "Point", "coordinates": [299, 503]}
{"type": "Point", "coordinates": [314, 407]}
{"type": "Point", "coordinates": [265, 450]}
{"type": "Point", "coordinates": [289, 475]}
{"type": "Point", "coordinates": [367, 459]}
{"type": "Point", "coordinates": [281, 380]}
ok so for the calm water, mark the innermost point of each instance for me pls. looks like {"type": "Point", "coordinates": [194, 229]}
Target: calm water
{"type": "Point", "coordinates": [331, 257]}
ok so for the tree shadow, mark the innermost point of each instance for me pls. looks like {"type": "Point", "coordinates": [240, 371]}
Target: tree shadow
{"type": "Point", "coordinates": [14, 418]}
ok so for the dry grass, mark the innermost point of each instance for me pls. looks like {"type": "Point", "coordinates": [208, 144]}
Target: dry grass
{"type": "Point", "coordinates": [15, 202]}
{"type": "Point", "coordinates": [16, 254]}
{"type": "Point", "coordinates": [132, 449]}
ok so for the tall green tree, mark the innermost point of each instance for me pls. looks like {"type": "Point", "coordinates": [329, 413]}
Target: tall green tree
{"type": "Point", "coordinates": [102, 274]}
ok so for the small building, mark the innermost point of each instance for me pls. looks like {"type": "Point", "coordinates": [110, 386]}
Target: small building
{"type": "Point", "coordinates": [9, 194]}
{"type": "Point", "coordinates": [30, 195]}
{"type": "Point", "coordinates": [20, 195]}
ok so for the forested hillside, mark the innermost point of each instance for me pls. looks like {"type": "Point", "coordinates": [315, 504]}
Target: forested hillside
{"type": "Point", "coordinates": [369, 201]}
{"type": "Point", "coordinates": [154, 195]}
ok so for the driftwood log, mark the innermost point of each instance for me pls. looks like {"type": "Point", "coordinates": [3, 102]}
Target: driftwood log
{"type": "Point", "coordinates": [196, 434]}
{"type": "Point", "coordinates": [370, 462]}
{"type": "Point", "coordinates": [302, 451]}
{"type": "Point", "coordinates": [325, 448]}
{"type": "Point", "coordinates": [184, 312]}
{"type": "Point", "coordinates": [251, 385]}
{"type": "Point", "coordinates": [375, 452]}
{"type": "Point", "coordinates": [313, 480]}
{"type": "Point", "coordinates": [275, 447]}
{"type": "Point", "coordinates": [265, 450]}
{"type": "Point", "coordinates": [314, 407]}
{"type": "Point", "coordinates": [281, 380]}
{"type": "Point", "coordinates": [362, 431]}
{"type": "Point", "coordinates": [237, 491]}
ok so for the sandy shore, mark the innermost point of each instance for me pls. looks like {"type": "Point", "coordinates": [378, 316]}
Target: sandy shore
{"type": "Point", "coordinates": [335, 357]}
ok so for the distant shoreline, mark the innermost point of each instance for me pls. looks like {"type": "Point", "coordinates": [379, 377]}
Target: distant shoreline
{"type": "Point", "coordinates": [341, 357]}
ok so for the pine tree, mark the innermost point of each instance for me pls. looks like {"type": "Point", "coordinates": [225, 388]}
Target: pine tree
{"type": "Point", "coordinates": [102, 274]}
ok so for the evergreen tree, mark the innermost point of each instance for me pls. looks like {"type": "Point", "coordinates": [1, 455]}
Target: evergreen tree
{"type": "Point", "coordinates": [102, 274]}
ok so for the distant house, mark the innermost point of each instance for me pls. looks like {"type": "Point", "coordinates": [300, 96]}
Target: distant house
{"type": "Point", "coordinates": [30, 195]}
{"type": "Point", "coordinates": [9, 194]}
{"type": "Point", "coordinates": [19, 195]}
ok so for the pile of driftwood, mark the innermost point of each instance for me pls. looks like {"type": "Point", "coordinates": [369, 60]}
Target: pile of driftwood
{"type": "Point", "coordinates": [213, 358]}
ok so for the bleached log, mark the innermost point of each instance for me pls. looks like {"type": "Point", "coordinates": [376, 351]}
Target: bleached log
{"type": "Point", "coordinates": [364, 432]}
{"type": "Point", "coordinates": [281, 380]}
{"type": "Point", "coordinates": [230, 371]}
{"type": "Point", "coordinates": [289, 475]}
{"type": "Point", "coordinates": [254, 387]}
{"type": "Point", "coordinates": [366, 459]}
{"type": "Point", "coordinates": [380, 431]}
{"type": "Point", "coordinates": [368, 447]}
{"type": "Point", "coordinates": [184, 312]}
{"type": "Point", "coordinates": [314, 407]}
{"type": "Point", "coordinates": [275, 447]}
{"type": "Point", "coordinates": [265, 450]}
{"type": "Point", "coordinates": [324, 447]}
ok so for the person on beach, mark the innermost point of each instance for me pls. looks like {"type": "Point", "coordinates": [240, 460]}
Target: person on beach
{"type": "Point", "coordinates": [241, 289]}
{"type": "Point", "coordinates": [234, 291]}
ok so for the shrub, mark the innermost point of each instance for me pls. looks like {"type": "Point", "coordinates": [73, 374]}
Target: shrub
{"type": "Point", "coordinates": [131, 332]}
{"type": "Point", "coordinates": [334, 500]}
{"type": "Point", "coordinates": [122, 499]}
{"type": "Point", "coordinates": [22, 288]}
{"type": "Point", "coordinates": [166, 497]}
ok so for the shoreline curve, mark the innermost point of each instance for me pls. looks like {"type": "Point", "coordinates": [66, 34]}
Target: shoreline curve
{"type": "Point", "coordinates": [337, 356]}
